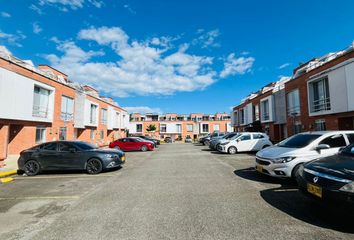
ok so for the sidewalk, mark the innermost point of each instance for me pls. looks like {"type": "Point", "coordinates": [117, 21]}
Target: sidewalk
{"type": "Point", "coordinates": [8, 167]}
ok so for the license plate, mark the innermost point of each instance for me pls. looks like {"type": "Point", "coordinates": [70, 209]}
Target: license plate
{"type": "Point", "coordinates": [259, 168]}
{"type": "Point", "coordinates": [315, 190]}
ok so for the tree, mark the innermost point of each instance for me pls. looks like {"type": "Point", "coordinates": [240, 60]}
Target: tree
{"type": "Point", "coordinates": [151, 128]}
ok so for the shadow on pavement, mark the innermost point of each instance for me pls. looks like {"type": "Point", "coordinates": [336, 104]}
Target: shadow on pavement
{"type": "Point", "coordinates": [63, 172]}
{"type": "Point", "coordinates": [288, 199]}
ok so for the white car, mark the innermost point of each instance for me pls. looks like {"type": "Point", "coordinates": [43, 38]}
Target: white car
{"type": "Point", "coordinates": [245, 142]}
{"type": "Point", "coordinates": [285, 158]}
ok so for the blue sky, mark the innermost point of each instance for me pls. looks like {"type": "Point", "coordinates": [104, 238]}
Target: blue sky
{"type": "Point", "coordinates": [175, 56]}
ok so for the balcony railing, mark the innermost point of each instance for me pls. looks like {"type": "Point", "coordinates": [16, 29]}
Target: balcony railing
{"type": "Point", "coordinates": [294, 111]}
{"type": "Point", "coordinates": [265, 116]}
{"type": "Point", "coordinates": [321, 105]}
{"type": "Point", "coordinates": [67, 117]}
{"type": "Point", "coordinates": [40, 111]}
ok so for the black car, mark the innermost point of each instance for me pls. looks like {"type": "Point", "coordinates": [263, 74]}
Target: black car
{"type": "Point", "coordinates": [330, 178]}
{"type": "Point", "coordinates": [68, 155]}
{"type": "Point", "coordinates": [155, 141]}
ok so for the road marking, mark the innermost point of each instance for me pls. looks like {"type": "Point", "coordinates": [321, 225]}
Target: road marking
{"type": "Point", "coordinates": [39, 197]}
{"type": "Point", "coordinates": [71, 176]}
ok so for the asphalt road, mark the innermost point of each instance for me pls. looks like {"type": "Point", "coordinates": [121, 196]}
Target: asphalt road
{"type": "Point", "coordinates": [180, 191]}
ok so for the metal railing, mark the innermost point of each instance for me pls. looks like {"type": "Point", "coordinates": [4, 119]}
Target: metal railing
{"type": "Point", "coordinates": [293, 111]}
{"type": "Point", "coordinates": [40, 111]}
{"type": "Point", "coordinates": [321, 105]}
{"type": "Point", "coordinates": [67, 117]}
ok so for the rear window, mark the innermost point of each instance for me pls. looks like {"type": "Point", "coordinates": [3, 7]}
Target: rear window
{"type": "Point", "coordinates": [351, 138]}
{"type": "Point", "coordinates": [299, 140]}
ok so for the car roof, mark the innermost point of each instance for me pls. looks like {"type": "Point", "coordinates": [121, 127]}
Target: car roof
{"type": "Point", "coordinates": [328, 132]}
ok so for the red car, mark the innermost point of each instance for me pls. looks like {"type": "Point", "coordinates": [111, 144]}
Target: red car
{"type": "Point", "coordinates": [132, 144]}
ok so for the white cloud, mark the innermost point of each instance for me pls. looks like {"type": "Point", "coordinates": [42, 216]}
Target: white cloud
{"type": "Point", "coordinates": [129, 8]}
{"type": "Point", "coordinates": [284, 65]}
{"type": "Point", "coordinates": [5, 14]}
{"type": "Point", "coordinates": [13, 39]}
{"type": "Point", "coordinates": [234, 65]}
{"type": "Point", "coordinates": [36, 28]}
{"type": "Point", "coordinates": [36, 9]}
{"type": "Point", "coordinates": [66, 5]}
{"type": "Point", "coordinates": [5, 50]}
{"type": "Point", "coordinates": [207, 39]}
{"type": "Point", "coordinates": [143, 110]}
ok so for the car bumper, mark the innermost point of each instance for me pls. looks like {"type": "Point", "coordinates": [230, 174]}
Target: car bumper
{"type": "Point", "coordinates": [327, 194]}
{"type": "Point", "coordinates": [269, 168]}
{"type": "Point", "coordinates": [222, 148]}
{"type": "Point", "coordinates": [113, 163]}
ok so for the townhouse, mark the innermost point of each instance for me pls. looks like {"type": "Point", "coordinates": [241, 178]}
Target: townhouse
{"type": "Point", "coordinates": [179, 126]}
{"type": "Point", "coordinates": [39, 104]}
{"type": "Point", "coordinates": [319, 96]}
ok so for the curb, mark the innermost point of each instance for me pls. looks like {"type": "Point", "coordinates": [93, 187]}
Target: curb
{"type": "Point", "coordinates": [6, 180]}
{"type": "Point", "coordinates": [8, 173]}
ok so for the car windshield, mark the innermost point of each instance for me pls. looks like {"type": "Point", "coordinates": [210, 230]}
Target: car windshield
{"type": "Point", "coordinates": [348, 150]}
{"type": "Point", "coordinates": [230, 135]}
{"type": "Point", "coordinates": [299, 140]}
{"type": "Point", "coordinates": [235, 136]}
{"type": "Point", "coordinates": [85, 146]}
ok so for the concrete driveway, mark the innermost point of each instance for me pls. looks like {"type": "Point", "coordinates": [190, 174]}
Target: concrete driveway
{"type": "Point", "coordinates": [180, 191]}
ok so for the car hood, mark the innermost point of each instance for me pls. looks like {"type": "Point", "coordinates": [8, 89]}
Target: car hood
{"type": "Point", "coordinates": [108, 151]}
{"type": "Point", "coordinates": [338, 165]}
{"type": "Point", "coordinates": [276, 152]}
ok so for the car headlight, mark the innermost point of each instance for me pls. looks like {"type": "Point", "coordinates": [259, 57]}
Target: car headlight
{"type": "Point", "coordinates": [224, 143]}
{"type": "Point", "coordinates": [348, 187]}
{"type": "Point", "coordinates": [109, 155]}
{"type": "Point", "coordinates": [283, 159]}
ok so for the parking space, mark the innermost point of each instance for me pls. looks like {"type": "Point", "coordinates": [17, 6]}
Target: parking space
{"type": "Point", "coordinates": [179, 191]}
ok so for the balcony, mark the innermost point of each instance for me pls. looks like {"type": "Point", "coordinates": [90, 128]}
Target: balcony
{"type": "Point", "coordinates": [321, 105]}
{"type": "Point", "coordinates": [40, 111]}
{"type": "Point", "coordinates": [66, 117]}
{"type": "Point", "coordinates": [294, 111]}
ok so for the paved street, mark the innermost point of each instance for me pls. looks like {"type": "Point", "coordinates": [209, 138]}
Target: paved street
{"type": "Point", "coordinates": [180, 191]}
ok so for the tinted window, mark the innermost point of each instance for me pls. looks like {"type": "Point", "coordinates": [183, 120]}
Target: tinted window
{"type": "Point", "coordinates": [85, 146]}
{"type": "Point", "coordinates": [50, 147]}
{"type": "Point", "coordinates": [299, 140]}
{"type": "Point", "coordinates": [334, 141]}
{"type": "Point", "coordinates": [245, 137]}
{"type": "Point", "coordinates": [350, 138]}
{"type": "Point", "coordinates": [257, 136]}
{"type": "Point", "coordinates": [229, 136]}
{"type": "Point", "coordinates": [64, 147]}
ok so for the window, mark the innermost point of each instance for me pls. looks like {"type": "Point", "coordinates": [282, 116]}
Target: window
{"type": "Point", "coordinates": [117, 119]}
{"type": "Point", "coordinates": [40, 102]}
{"type": "Point", "coordinates": [139, 128]}
{"type": "Point", "coordinates": [256, 112]}
{"type": "Point", "coordinates": [216, 127]}
{"type": "Point", "coordinates": [67, 108]}
{"type": "Point", "coordinates": [179, 128]}
{"type": "Point", "coordinates": [320, 125]}
{"type": "Point", "coordinates": [189, 127]}
{"type": "Point", "coordinates": [257, 136]}
{"type": "Point", "coordinates": [50, 146]}
{"type": "Point", "coordinates": [297, 127]}
{"type": "Point", "coordinates": [93, 114]}
{"type": "Point", "coordinates": [104, 116]}
{"type": "Point", "coordinates": [242, 116]}
{"type": "Point", "coordinates": [163, 128]}
{"type": "Point", "coordinates": [245, 137]}
{"type": "Point", "coordinates": [64, 147]}
{"type": "Point", "coordinates": [62, 133]}
{"type": "Point", "coordinates": [293, 107]}
{"type": "Point", "coordinates": [205, 127]}
{"type": "Point", "coordinates": [350, 138]}
{"type": "Point", "coordinates": [92, 134]}
{"type": "Point", "coordinates": [265, 110]}
{"type": "Point", "coordinates": [319, 95]}
{"type": "Point", "coordinates": [335, 141]}
{"type": "Point", "coordinates": [40, 134]}
{"type": "Point", "coordinates": [102, 134]}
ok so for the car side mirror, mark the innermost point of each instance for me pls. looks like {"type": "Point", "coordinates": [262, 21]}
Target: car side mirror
{"type": "Point", "coordinates": [72, 150]}
{"type": "Point", "coordinates": [238, 140]}
{"type": "Point", "coordinates": [322, 147]}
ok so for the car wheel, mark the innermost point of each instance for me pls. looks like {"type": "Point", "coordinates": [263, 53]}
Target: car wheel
{"type": "Point", "coordinates": [143, 148]}
{"type": "Point", "coordinates": [295, 171]}
{"type": "Point", "coordinates": [232, 150]}
{"type": "Point", "coordinates": [265, 146]}
{"type": "Point", "coordinates": [94, 166]}
{"type": "Point", "coordinates": [32, 168]}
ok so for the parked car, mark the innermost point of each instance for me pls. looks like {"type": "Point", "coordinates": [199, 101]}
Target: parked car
{"type": "Point", "coordinates": [188, 139]}
{"type": "Point", "coordinates": [330, 178]}
{"type": "Point", "coordinates": [168, 140]}
{"type": "Point", "coordinates": [204, 138]}
{"type": "Point", "coordinates": [213, 145]}
{"type": "Point", "coordinates": [155, 141]}
{"type": "Point", "coordinates": [132, 144]}
{"type": "Point", "coordinates": [285, 158]}
{"type": "Point", "coordinates": [214, 135]}
{"type": "Point", "coordinates": [245, 142]}
{"type": "Point", "coordinates": [68, 155]}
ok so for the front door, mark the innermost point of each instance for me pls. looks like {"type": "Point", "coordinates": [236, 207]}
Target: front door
{"type": "Point", "coordinates": [245, 143]}
{"type": "Point", "coordinates": [69, 159]}
{"type": "Point", "coordinates": [335, 142]}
